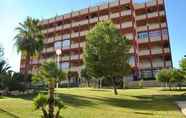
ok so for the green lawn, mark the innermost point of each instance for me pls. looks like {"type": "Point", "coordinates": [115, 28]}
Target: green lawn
{"type": "Point", "coordinates": [102, 103]}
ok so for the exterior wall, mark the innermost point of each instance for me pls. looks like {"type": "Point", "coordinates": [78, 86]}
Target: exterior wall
{"type": "Point", "coordinates": [144, 24]}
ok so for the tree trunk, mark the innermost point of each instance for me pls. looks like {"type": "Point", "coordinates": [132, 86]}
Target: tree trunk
{"type": "Point", "coordinates": [51, 99]}
{"type": "Point", "coordinates": [44, 113]}
{"type": "Point", "coordinates": [114, 86]}
{"type": "Point", "coordinates": [57, 114]}
{"type": "Point", "coordinates": [27, 67]}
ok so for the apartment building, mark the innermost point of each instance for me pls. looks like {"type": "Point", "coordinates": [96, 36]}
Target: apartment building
{"type": "Point", "coordinates": [144, 24]}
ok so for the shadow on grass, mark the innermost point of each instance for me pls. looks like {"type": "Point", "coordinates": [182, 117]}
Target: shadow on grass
{"type": "Point", "coordinates": [181, 90]}
{"type": "Point", "coordinates": [8, 113]}
{"type": "Point", "coordinates": [146, 102]}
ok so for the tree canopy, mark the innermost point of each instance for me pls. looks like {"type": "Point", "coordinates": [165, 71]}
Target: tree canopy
{"type": "Point", "coordinates": [106, 51]}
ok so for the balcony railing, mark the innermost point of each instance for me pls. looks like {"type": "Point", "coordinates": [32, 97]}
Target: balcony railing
{"type": "Point", "coordinates": [76, 45]}
{"type": "Point", "coordinates": [74, 57]}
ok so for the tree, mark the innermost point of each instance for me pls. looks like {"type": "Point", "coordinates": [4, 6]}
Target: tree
{"type": "Point", "coordinates": [164, 76]}
{"type": "Point", "coordinates": [74, 76]}
{"type": "Point", "coordinates": [29, 40]}
{"type": "Point", "coordinates": [4, 75]}
{"type": "Point", "coordinates": [85, 75]}
{"type": "Point", "coordinates": [177, 77]}
{"type": "Point", "coordinates": [50, 73]}
{"type": "Point", "coordinates": [106, 52]}
{"type": "Point", "coordinates": [183, 65]}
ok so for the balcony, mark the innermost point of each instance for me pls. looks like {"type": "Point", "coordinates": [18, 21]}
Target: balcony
{"type": "Point", "coordinates": [73, 35]}
{"type": "Point", "coordinates": [84, 11]}
{"type": "Point", "coordinates": [139, 6]}
{"type": "Point", "coordinates": [126, 25]}
{"type": "Point", "coordinates": [126, 13]}
{"type": "Point", "coordinates": [145, 65]}
{"type": "Point", "coordinates": [129, 36]}
{"type": "Point", "coordinates": [66, 26]}
{"type": "Point", "coordinates": [141, 17]}
{"type": "Point", "coordinates": [164, 25]}
{"type": "Point", "coordinates": [67, 16]}
{"type": "Point", "coordinates": [74, 57]}
{"type": "Point", "coordinates": [93, 9]}
{"type": "Point", "coordinates": [93, 20]}
{"type": "Point", "coordinates": [151, 3]}
{"type": "Point", "coordinates": [162, 13]}
{"type": "Point", "coordinates": [83, 33]}
{"type": "Point", "coordinates": [151, 15]}
{"type": "Point", "coordinates": [143, 40]}
{"type": "Point", "coordinates": [75, 13]}
{"type": "Point", "coordinates": [142, 28]}
{"type": "Point", "coordinates": [155, 38]}
{"type": "Point", "coordinates": [65, 58]}
{"type": "Point", "coordinates": [156, 51]}
{"type": "Point", "coordinates": [66, 36]}
{"type": "Point", "coordinates": [81, 56]}
{"type": "Point", "coordinates": [75, 45]}
{"type": "Point", "coordinates": [115, 15]}
{"type": "Point", "coordinates": [158, 64]}
{"type": "Point", "coordinates": [144, 52]}
{"type": "Point", "coordinates": [154, 26]}
{"type": "Point", "coordinates": [82, 44]}
{"type": "Point", "coordinates": [103, 18]}
{"type": "Point", "coordinates": [168, 64]}
{"type": "Point", "coordinates": [166, 50]}
{"type": "Point", "coordinates": [103, 6]}
{"type": "Point", "coordinates": [75, 24]}
{"type": "Point", "coordinates": [84, 22]}
{"type": "Point", "coordinates": [51, 29]}
{"type": "Point", "coordinates": [122, 2]}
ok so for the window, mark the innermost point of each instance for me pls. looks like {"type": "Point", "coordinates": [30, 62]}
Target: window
{"type": "Point", "coordinates": [155, 33]}
{"type": "Point", "coordinates": [66, 43]}
{"type": "Point", "coordinates": [65, 65]}
{"type": "Point", "coordinates": [58, 45]}
{"type": "Point", "coordinates": [142, 35]}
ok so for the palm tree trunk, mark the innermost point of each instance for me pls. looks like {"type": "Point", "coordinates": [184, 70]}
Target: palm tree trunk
{"type": "Point", "coordinates": [51, 99]}
{"type": "Point", "coordinates": [114, 86]}
{"type": "Point", "coordinates": [44, 113]}
{"type": "Point", "coordinates": [57, 114]}
{"type": "Point", "coordinates": [27, 65]}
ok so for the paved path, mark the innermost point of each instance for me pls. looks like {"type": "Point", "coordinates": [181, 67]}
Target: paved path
{"type": "Point", "coordinates": [182, 106]}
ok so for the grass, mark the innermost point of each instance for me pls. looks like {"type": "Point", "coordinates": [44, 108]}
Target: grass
{"type": "Point", "coordinates": [101, 103]}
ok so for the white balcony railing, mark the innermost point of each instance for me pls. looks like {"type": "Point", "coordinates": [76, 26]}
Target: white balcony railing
{"type": "Point", "coordinates": [93, 20]}
{"type": "Point", "coordinates": [76, 45]}
{"type": "Point", "coordinates": [144, 52]}
{"type": "Point", "coordinates": [82, 44]}
{"type": "Point", "coordinates": [115, 15]}
{"type": "Point", "coordinates": [126, 25]}
{"type": "Point", "coordinates": [156, 51]}
{"type": "Point", "coordinates": [74, 57]}
{"type": "Point", "coordinates": [65, 58]}
{"type": "Point", "coordinates": [140, 17]}
{"type": "Point", "coordinates": [126, 13]}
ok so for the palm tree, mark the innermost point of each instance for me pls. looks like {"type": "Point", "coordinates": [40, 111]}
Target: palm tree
{"type": "Point", "coordinates": [50, 73]}
{"type": "Point", "coordinates": [29, 40]}
{"type": "Point", "coordinates": [4, 72]}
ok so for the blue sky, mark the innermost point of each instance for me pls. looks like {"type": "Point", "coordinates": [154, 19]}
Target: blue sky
{"type": "Point", "coordinates": [14, 11]}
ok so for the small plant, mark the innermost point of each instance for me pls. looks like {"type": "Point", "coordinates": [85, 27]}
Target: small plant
{"type": "Point", "coordinates": [41, 102]}
{"type": "Point", "coordinates": [141, 83]}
